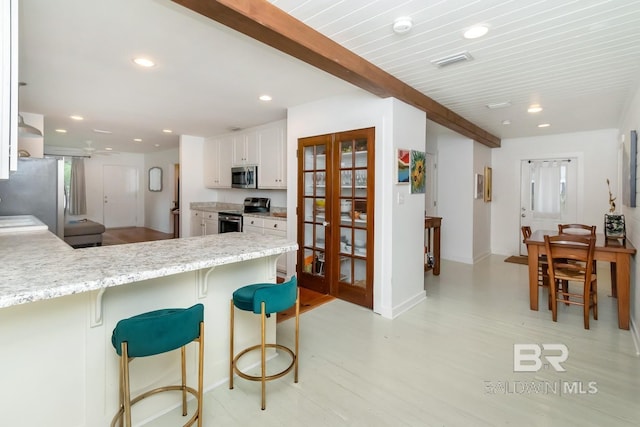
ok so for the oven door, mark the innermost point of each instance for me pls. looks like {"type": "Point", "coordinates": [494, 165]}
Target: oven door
{"type": "Point", "coordinates": [229, 223]}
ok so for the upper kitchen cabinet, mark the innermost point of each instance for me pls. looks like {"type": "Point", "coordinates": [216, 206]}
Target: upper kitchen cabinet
{"type": "Point", "coordinates": [245, 149]}
{"type": "Point", "coordinates": [272, 146]}
{"type": "Point", "coordinates": [217, 162]}
{"type": "Point", "coordinates": [8, 87]}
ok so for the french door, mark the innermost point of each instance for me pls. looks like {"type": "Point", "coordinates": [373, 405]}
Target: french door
{"type": "Point", "coordinates": [335, 228]}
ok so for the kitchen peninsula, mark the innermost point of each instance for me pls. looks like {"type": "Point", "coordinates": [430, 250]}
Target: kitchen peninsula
{"type": "Point", "coordinates": [58, 307]}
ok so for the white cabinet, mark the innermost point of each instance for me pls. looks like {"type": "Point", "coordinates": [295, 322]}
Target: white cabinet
{"type": "Point", "coordinates": [203, 223]}
{"type": "Point", "coordinates": [210, 223]}
{"type": "Point", "coordinates": [269, 226]}
{"type": "Point", "coordinates": [8, 87]}
{"type": "Point", "coordinates": [217, 162]}
{"type": "Point", "coordinates": [196, 223]}
{"type": "Point", "coordinates": [272, 146]}
{"type": "Point", "coordinates": [253, 225]}
{"type": "Point", "coordinates": [245, 149]}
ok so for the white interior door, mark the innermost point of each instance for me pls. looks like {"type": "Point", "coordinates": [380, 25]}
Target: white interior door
{"type": "Point", "coordinates": [548, 194]}
{"type": "Point", "coordinates": [430, 193]}
{"type": "Point", "coordinates": [120, 189]}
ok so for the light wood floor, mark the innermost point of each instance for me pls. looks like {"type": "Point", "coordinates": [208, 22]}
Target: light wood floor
{"type": "Point", "coordinates": [118, 236]}
{"type": "Point", "coordinates": [446, 362]}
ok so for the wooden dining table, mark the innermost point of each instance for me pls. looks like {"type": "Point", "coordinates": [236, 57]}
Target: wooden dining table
{"type": "Point", "coordinates": [617, 252]}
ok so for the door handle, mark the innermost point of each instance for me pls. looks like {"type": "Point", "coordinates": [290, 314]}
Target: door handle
{"type": "Point", "coordinates": [325, 224]}
{"type": "Point", "coordinates": [523, 216]}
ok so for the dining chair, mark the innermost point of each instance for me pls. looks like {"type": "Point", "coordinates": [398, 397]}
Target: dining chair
{"type": "Point", "coordinates": [570, 258]}
{"type": "Point", "coordinates": [580, 229]}
{"type": "Point", "coordinates": [543, 275]}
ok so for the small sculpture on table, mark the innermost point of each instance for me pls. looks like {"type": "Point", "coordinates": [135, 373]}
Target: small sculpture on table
{"type": "Point", "coordinates": [614, 225]}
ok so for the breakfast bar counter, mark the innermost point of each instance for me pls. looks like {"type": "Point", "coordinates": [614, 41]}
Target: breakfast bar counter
{"type": "Point", "coordinates": [58, 308]}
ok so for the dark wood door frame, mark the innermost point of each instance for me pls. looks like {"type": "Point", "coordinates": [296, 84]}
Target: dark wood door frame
{"type": "Point", "coordinates": [268, 24]}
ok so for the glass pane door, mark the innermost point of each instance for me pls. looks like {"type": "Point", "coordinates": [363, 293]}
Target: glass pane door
{"type": "Point", "coordinates": [313, 233]}
{"type": "Point", "coordinates": [354, 216]}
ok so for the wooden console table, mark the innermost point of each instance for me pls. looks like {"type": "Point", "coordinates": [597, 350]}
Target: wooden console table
{"type": "Point", "coordinates": [432, 243]}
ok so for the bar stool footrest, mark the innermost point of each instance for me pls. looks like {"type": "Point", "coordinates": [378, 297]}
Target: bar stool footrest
{"type": "Point", "coordinates": [154, 391]}
{"type": "Point", "coordinates": [267, 377]}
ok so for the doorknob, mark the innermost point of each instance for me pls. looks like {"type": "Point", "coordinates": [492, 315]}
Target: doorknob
{"type": "Point", "coordinates": [523, 216]}
{"type": "Point", "coordinates": [325, 224]}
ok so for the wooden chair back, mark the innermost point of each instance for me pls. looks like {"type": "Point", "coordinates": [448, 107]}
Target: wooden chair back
{"type": "Point", "coordinates": [580, 228]}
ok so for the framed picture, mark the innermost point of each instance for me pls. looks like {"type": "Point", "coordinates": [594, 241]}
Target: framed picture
{"type": "Point", "coordinates": [479, 194]}
{"type": "Point", "coordinates": [403, 160]}
{"type": "Point", "coordinates": [629, 171]}
{"type": "Point", "coordinates": [487, 183]}
{"type": "Point", "coordinates": [418, 177]}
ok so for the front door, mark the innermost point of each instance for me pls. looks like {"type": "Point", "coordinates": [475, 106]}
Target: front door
{"type": "Point", "coordinates": [548, 194]}
{"type": "Point", "coordinates": [120, 203]}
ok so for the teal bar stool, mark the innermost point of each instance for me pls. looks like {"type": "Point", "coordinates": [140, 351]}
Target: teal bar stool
{"type": "Point", "coordinates": [154, 333]}
{"type": "Point", "coordinates": [265, 299]}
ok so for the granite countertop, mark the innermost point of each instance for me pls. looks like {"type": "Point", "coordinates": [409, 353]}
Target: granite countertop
{"type": "Point", "coordinates": [38, 265]}
{"type": "Point", "coordinates": [276, 213]}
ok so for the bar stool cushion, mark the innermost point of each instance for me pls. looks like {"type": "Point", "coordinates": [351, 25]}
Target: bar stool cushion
{"type": "Point", "coordinates": [157, 331]}
{"type": "Point", "coordinates": [277, 297]}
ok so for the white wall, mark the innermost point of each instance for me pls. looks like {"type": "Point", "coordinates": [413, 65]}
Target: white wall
{"type": "Point", "coordinates": [158, 205]}
{"type": "Point", "coordinates": [481, 209]}
{"type": "Point", "coordinates": [455, 196]}
{"type": "Point", "coordinates": [631, 121]}
{"type": "Point", "coordinates": [398, 268]}
{"type": "Point", "coordinates": [597, 154]}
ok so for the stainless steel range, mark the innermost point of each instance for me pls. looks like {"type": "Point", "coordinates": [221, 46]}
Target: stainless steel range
{"type": "Point", "coordinates": [230, 221]}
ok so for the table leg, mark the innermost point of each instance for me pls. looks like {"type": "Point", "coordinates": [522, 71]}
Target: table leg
{"type": "Point", "coordinates": [436, 251]}
{"type": "Point", "coordinates": [623, 273]}
{"type": "Point", "coordinates": [614, 281]}
{"type": "Point", "coordinates": [532, 250]}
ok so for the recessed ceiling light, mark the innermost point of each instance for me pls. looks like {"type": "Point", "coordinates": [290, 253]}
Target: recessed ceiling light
{"type": "Point", "coordinates": [61, 130]}
{"type": "Point", "coordinates": [167, 131]}
{"type": "Point", "coordinates": [265, 98]}
{"type": "Point", "coordinates": [476, 31]}
{"type": "Point", "coordinates": [156, 145]}
{"type": "Point", "coordinates": [535, 108]}
{"type": "Point", "coordinates": [402, 25]}
{"type": "Point", "coordinates": [137, 139]}
{"type": "Point", "coordinates": [76, 117]}
{"type": "Point", "coordinates": [144, 62]}
{"type": "Point", "coordinates": [108, 148]}
{"type": "Point", "coordinates": [506, 122]}
{"type": "Point", "coordinates": [544, 125]}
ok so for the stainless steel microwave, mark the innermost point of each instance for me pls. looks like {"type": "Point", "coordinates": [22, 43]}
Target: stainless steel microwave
{"type": "Point", "coordinates": [244, 177]}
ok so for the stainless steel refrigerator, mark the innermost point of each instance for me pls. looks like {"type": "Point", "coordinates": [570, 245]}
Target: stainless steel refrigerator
{"type": "Point", "coordinates": [36, 188]}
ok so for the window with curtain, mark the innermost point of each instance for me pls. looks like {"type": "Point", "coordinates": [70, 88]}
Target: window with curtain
{"type": "Point", "coordinates": [75, 189]}
{"type": "Point", "coordinates": [548, 188]}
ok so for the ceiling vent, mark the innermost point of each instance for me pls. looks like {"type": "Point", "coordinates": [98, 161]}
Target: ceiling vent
{"type": "Point", "coordinates": [452, 59]}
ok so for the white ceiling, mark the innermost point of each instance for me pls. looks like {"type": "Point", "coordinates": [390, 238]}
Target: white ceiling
{"type": "Point", "coordinates": [580, 60]}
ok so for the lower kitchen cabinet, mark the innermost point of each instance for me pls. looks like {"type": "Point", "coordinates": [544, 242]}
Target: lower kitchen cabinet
{"type": "Point", "coordinates": [203, 223]}
{"type": "Point", "coordinates": [269, 226]}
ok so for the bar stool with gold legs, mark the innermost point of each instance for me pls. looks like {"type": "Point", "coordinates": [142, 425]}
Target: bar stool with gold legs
{"type": "Point", "coordinates": [265, 299]}
{"type": "Point", "coordinates": [154, 333]}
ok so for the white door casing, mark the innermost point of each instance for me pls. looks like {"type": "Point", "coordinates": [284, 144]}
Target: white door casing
{"type": "Point", "coordinates": [120, 196]}
{"type": "Point", "coordinates": [548, 194]}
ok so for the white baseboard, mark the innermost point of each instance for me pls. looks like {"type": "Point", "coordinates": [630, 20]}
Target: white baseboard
{"type": "Point", "coordinates": [635, 335]}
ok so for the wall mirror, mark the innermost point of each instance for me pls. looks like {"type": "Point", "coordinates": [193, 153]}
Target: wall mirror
{"type": "Point", "coordinates": [155, 179]}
